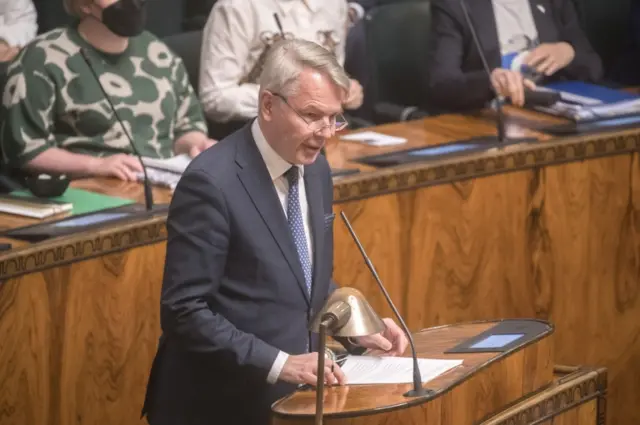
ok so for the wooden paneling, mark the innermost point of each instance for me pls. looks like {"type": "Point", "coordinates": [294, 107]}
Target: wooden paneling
{"type": "Point", "coordinates": [484, 384]}
{"type": "Point", "coordinates": [452, 243]}
{"type": "Point", "coordinates": [585, 414]}
{"type": "Point", "coordinates": [76, 342]}
{"type": "Point", "coordinates": [560, 243]}
{"type": "Point", "coordinates": [574, 399]}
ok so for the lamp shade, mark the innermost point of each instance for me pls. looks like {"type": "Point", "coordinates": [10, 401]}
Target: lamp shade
{"type": "Point", "coordinates": [348, 314]}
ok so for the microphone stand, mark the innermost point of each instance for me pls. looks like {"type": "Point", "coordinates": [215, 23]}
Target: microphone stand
{"type": "Point", "coordinates": [501, 138]}
{"type": "Point", "coordinates": [418, 390]}
{"type": "Point", "coordinates": [148, 194]}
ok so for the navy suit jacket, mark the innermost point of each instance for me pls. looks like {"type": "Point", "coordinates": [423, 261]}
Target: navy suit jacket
{"type": "Point", "coordinates": [233, 293]}
{"type": "Point", "coordinates": [457, 80]}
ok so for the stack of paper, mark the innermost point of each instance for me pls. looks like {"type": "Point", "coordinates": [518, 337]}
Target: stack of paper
{"type": "Point", "coordinates": [176, 164]}
{"type": "Point", "coordinates": [30, 206]}
{"type": "Point", "coordinates": [165, 172]}
{"type": "Point", "coordinates": [585, 102]}
{"type": "Point", "coordinates": [393, 370]}
{"type": "Point", "coordinates": [372, 138]}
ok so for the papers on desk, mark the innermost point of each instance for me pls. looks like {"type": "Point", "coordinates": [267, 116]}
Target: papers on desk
{"type": "Point", "coordinates": [393, 370]}
{"type": "Point", "coordinates": [587, 102]}
{"type": "Point", "coordinates": [373, 138]}
{"type": "Point", "coordinates": [26, 205]}
{"type": "Point", "coordinates": [165, 172]}
{"type": "Point", "coordinates": [176, 164]}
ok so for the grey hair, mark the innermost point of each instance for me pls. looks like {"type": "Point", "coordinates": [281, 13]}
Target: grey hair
{"type": "Point", "coordinates": [286, 59]}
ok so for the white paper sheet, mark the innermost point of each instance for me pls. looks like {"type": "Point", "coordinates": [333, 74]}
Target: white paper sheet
{"type": "Point", "coordinates": [373, 138]}
{"type": "Point", "coordinates": [393, 370]}
{"type": "Point", "coordinates": [175, 164]}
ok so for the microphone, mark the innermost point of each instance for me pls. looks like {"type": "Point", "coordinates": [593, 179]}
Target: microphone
{"type": "Point", "coordinates": [148, 194]}
{"type": "Point", "coordinates": [502, 138]}
{"type": "Point", "coordinates": [418, 390]}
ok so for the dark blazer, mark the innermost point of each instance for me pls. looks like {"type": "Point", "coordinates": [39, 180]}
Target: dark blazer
{"type": "Point", "coordinates": [233, 293]}
{"type": "Point", "coordinates": [457, 80]}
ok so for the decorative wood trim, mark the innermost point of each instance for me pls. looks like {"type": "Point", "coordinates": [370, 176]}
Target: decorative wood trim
{"type": "Point", "coordinates": [511, 158]}
{"type": "Point", "coordinates": [575, 389]}
{"type": "Point", "coordinates": [83, 246]}
{"type": "Point", "coordinates": [88, 245]}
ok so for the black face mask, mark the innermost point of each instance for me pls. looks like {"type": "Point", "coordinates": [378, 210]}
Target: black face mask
{"type": "Point", "coordinates": [125, 18]}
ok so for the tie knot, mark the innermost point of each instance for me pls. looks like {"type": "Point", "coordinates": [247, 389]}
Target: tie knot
{"type": "Point", "coordinates": [292, 175]}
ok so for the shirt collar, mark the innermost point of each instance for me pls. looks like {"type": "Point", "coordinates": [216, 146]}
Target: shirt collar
{"type": "Point", "coordinates": [276, 165]}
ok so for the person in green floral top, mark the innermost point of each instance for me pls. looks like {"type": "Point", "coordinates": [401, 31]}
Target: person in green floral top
{"type": "Point", "coordinates": [56, 118]}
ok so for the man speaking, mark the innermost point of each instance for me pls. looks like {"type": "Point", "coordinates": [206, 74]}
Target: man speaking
{"type": "Point", "coordinates": [250, 255]}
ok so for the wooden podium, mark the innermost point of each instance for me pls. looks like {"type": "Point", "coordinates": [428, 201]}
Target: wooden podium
{"type": "Point", "coordinates": [503, 362]}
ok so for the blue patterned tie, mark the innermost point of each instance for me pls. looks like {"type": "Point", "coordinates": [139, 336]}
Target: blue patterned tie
{"type": "Point", "coordinates": [296, 224]}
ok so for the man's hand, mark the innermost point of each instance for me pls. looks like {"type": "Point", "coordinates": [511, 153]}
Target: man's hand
{"type": "Point", "coordinates": [302, 369]}
{"type": "Point", "coordinates": [355, 96]}
{"type": "Point", "coordinates": [511, 84]}
{"type": "Point", "coordinates": [391, 342]}
{"type": "Point", "coordinates": [193, 144]}
{"type": "Point", "coordinates": [549, 58]}
{"type": "Point", "coordinates": [120, 165]}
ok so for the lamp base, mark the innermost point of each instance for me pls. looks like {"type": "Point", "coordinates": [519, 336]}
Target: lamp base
{"type": "Point", "coordinates": [420, 392]}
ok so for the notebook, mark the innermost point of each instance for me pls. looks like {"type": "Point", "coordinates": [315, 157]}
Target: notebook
{"type": "Point", "coordinates": [30, 206]}
{"type": "Point", "coordinates": [76, 201]}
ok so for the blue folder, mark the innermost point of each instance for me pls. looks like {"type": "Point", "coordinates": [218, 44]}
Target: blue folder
{"type": "Point", "coordinates": [593, 91]}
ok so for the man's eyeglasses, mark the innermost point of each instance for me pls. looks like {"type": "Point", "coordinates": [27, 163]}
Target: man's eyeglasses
{"type": "Point", "coordinates": [335, 122]}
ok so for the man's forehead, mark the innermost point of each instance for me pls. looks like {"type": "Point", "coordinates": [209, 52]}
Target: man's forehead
{"type": "Point", "coordinates": [315, 84]}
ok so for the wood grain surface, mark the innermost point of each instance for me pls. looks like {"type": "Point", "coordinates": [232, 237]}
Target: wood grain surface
{"type": "Point", "coordinates": [577, 398]}
{"type": "Point", "coordinates": [542, 238]}
{"type": "Point", "coordinates": [559, 243]}
{"type": "Point", "coordinates": [483, 384]}
{"type": "Point", "coordinates": [76, 342]}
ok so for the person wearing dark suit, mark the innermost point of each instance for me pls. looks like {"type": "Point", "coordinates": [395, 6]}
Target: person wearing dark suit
{"type": "Point", "coordinates": [250, 255]}
{"type": "Point", "coordinates": [545, 34]}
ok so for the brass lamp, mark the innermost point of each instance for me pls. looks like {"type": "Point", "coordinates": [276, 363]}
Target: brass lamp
{"type": "Point", "coordinates": [345, 314]}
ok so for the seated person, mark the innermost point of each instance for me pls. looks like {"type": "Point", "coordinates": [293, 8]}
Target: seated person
{"type": "Point", "coordinates": [58, 120]}
{"type": "Point", "coordinates": [237, 36]}
{"type": "Point", "coordinates": [18, 26]}
{"type": "Point", "coordinates": [547, 33]}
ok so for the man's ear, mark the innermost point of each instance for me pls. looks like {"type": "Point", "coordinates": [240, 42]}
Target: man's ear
{"type": "Point", "coordinates": [265, 105]}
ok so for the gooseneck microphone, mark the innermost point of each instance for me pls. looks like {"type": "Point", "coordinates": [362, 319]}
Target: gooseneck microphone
{"type": "Point", "coordinates": [418, 390]}
{"type": "Point", "coordinates": [531, 97]}
{"type": "Point", "coordinates": [485, 65]}
{"type": "Point", "coordinates": [148, 194]}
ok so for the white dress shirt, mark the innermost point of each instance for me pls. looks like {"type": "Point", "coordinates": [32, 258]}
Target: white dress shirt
{"type": "Point", "coordinates": [239, 32]}
{"type": "Point", "coordinates": [18, 22]}
{"type": "Point", "coordinates": [277, 166]}
{"type": "Point", "coordinates": [515, 25]}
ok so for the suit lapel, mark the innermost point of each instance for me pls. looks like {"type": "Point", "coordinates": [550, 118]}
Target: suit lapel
{"type": "Point", "coordinates": [543, 20]}
{"type": "Point", "coordinates": [483, 16]}
{"type": "Point", "coordinates": [257, 182]}
{"type": "Point", "coordinates": [313, 187]}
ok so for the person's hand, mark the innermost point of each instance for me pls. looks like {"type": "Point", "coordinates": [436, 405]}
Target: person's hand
{"type": "Point", "coordinates": [355, 96]}
{"type": "Point", "coordinates": [302, 369]}
{"type": "Point", "coordinates": [511, 84]}
{"type": "Point", "coordinates": [549, 58]}
{"type": "Point", "coordinates": [7, 53]}
{"type": "Point", "coordinates": [194, 144]}
{"type": "Point", "coordinates": [390, 342]}
{"type": "Point", "coordinates": [121, 166]}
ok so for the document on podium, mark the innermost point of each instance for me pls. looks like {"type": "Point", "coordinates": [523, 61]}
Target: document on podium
{"type": "Point", "coordinates": [393, 370]}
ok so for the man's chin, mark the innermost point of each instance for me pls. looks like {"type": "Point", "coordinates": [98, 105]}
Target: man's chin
{"type": "Point", "coordinates": [309, 155]}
